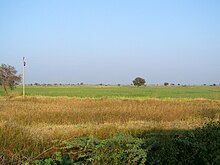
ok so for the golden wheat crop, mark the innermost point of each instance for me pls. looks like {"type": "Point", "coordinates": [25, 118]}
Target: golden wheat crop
{"type": "Point", "coordinates": [30, 125]}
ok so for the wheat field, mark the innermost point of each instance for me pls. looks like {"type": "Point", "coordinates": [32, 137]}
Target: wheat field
{"type": "Point", "coordinates": [31, 125]}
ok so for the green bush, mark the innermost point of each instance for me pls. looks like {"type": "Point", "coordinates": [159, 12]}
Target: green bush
{"type": "Point", "coordinates": [200, 146]}
{"type": "Point", "coordinates": [117, 150]}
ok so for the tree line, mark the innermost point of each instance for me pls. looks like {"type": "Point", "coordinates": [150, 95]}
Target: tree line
{"type": "Point", "coordinates": [9, 79]}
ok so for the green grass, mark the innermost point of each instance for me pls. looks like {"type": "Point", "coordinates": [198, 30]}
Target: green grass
{"type": "Point", "coordinates": [191, 92]}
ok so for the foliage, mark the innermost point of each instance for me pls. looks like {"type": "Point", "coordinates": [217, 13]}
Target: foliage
{"type": "Point", "coordinates": [138, 81]}
{"type": "Point", "coordinates": [8, 77]}
{"type": "Point", "coordinates": [120, 149]}
{"type": "Point", "coordinates": [57, 159]}
{"type": "Point", "coordinates": [200, 146]}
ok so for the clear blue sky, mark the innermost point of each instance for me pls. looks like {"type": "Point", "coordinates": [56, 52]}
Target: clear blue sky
{"type": "Point", "coordinates": [114, 41]}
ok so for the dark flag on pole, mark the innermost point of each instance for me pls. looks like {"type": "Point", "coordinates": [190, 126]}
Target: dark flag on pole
{"type": "Point", "coordinates": [24, 61]}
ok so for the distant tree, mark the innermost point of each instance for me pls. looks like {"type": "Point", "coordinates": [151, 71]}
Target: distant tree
{"type": "Point", "coordinates": [8, 77]}
{"type": "Point", "coordinates": [139, 81]}
{"type": "Point", "coordinates": [166, 84]}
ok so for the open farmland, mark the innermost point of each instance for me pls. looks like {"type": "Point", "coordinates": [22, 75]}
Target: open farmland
{"type": "Point", "coordinates": [191, 92]}
{"type": "Point", "coordinates": [32, 128]}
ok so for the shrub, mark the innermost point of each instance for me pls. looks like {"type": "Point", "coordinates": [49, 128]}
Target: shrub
{"type": "Point", "coordinates": [117, 150]}
{"type": "Point", "coordinates": [200, 146]}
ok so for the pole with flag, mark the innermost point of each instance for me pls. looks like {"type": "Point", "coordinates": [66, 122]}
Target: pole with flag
{"type": "Point", "coordinates": [23, 64]}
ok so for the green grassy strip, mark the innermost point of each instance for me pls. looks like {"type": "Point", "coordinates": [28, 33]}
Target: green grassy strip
{"type": "Point", "coordinates": [190, 92]}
